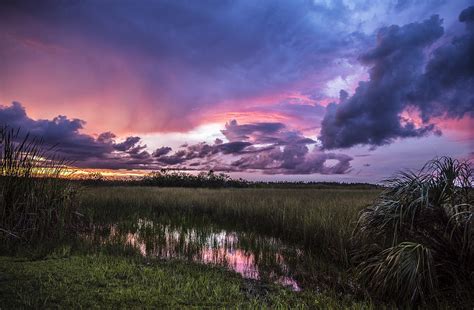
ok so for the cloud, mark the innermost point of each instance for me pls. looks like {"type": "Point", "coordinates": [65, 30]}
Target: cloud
{"type": "Point", "coordinates": [264, 133]}
{"type": "Point", "coordinates": [294, 160]}
{"type": "Point", "coordinates": [401, 79]}
{"type": "Point", "coordinates": [60, 130]}
{"type": "Point", "coordinates": [267, 147]}
{"type": "Point", "coordinates": [200, 151]}
{"type": "Point", "coordinates": [162, 151]}
{"type": "Point", "coordinates": [128, 144]}
{"type": "Point", "coordinates": [445, 88]}
{"type": "Point", "coordinates": [64, 133]}
{"type": "Point", "coordinates": [235, 147]}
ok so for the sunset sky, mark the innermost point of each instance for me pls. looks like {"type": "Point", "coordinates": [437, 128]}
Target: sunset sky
{"type": "Point", "coordinates": [321, 90]}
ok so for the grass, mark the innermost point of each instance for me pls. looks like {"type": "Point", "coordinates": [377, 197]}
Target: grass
{"type": "Point", "coordinates": [103, 281]}
{"type": "Point", "coordinates": [321, 220]}
{"type": "Point", "coordinates": [35, 204]}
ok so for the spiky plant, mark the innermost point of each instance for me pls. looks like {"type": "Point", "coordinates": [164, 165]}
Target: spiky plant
{"type": "Point", "coordinates": [416, 243]}
{"type": "Point", "coordinates": [35, 203]}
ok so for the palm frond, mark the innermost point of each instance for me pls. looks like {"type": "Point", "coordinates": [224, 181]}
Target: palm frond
{"type": "Point", "coordinates": [405, 272]}
{"type": "Point", "coordinates": [423, 219]}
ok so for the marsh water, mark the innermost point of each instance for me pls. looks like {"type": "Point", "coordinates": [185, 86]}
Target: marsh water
{"type": "Point", "coordinates": [252, 255]}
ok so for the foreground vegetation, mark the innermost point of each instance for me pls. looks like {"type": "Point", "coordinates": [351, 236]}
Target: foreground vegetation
{"type": "Point", "coordinates": [110, 275]}
{"type": "Point", "coordinates": [104, 281]}
{"type": "Point", "coordinates": [36, 205]}
{"type": "Point", "coordinates": [416, 243]}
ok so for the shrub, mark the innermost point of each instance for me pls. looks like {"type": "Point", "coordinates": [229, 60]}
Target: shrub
{"type": "Point", "coordinates": [167, 178]}
{"type": "Point", "coordinates": [35, 203]}
{"type": "Point", "coordinates": [417, 241]}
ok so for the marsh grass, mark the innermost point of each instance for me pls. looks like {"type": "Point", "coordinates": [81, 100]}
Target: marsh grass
{"type": "Point", "coordinates": [117, 282]}
{"type": "Point", "coordinates": [320, 220]}
{"type": "Point", "coordinates": [36, 205]}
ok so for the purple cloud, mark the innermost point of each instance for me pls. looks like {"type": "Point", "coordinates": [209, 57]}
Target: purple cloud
{"type": "Point", "coordinates": [265, 147]}
{"type": "Point", "coordinates": [162, 151]}
{"type": "Point", "coordinates": [85, 150]}
{"type": "Point", "coordinates": [264, 133]}
{"type": "Point", "coordinates": [399, 79]}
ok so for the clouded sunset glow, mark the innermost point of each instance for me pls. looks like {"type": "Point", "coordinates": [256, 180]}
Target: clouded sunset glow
{"type": "Point", "coordinates": [271, 90]}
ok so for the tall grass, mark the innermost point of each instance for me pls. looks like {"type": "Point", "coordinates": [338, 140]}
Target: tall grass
{"type": "Point", "coordinates": [320, 220]}
{"type": "Point", "coordinates": [416, 243]}
{"type": "Point", "coordinates": [35, 203]}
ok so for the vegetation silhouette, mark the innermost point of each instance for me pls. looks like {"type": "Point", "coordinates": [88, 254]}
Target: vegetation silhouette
{"type": "Point", "coordinates": [36, 205]}
{"type": "Point", "coordinates": [210, 179]}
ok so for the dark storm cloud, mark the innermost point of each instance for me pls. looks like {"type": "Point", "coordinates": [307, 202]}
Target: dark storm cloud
{"type": "Point", "coordinates": [446, 86]}
{"type": "Point", "coordinates": [236, 132]}
{"type": "Point", "coordinates": [162, 151]}
{"type": "Point", "coordinates": [128, 144]}
{"type": "Point", "coordinates": [232, 147]}
{"type": "Point", "coordinates": [141, 155]}
{"type": "Point", "coordinates": [467, 16]}
{"type": "Point", "coordinates": [60, 130]}
{"type": "Point", "coordinates": [64, 133]}
{"type": "Point", "coordinates": [399, 80]}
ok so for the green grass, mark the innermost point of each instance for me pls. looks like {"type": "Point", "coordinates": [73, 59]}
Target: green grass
{"type": "Point", "coordinates": [322, 220]}
{"type": "Point", "coordinates": [101, 281]}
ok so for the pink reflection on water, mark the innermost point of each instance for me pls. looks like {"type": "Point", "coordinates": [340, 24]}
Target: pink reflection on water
{"type": "Point", "coordinates": [215, 248]}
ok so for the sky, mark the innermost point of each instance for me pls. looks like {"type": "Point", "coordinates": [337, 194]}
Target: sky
{"type": "Point", "coordinates": [323, 90]}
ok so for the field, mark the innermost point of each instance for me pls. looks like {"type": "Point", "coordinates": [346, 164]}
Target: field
{"type": "Point", "coordinates": [177, 247]}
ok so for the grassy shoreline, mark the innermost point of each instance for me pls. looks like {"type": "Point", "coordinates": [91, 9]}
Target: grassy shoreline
{"type": "Point", "coordinates": [104, 281]}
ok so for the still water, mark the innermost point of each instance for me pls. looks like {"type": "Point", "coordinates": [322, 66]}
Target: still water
{"type": "Point", "coordinates": [251, 255]}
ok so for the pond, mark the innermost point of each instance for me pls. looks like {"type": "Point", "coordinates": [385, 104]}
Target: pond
{"type": "Point", "coordinates": [253, 256]}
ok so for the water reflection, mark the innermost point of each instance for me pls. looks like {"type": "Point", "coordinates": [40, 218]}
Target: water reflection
{"type": "Point", "coordinates": [251, 255]}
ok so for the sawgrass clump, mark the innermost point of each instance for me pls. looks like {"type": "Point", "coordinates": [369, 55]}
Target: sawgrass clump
{"type": "Point", "coordinates": [416, 243]}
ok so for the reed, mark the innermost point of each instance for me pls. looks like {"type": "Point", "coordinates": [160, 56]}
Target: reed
{"type": "Point", "coordinates": [320, 220]}
{"type": "Point", "coordinates": [35, 203]}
